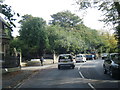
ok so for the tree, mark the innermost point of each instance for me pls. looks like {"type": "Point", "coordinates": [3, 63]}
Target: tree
{"type": "Point", "coordinates": [65, 19]}
{"type": "Point", "coordinates": [33, 35]}
{"type": "Point", "coordinates": [8, 13]}
{"type": "Point", "coordinates": [74, 41]}
{"type": "Point", "coordinates": [111, 11]}
{"type": "Point", "coordinates": [90, 37]}
{"type": "Point", "coordinates": [109, 43]}
{"type": "Point", "coordinates": [25, 18]}
{"type": "Point", "coordinates": [62, 41]}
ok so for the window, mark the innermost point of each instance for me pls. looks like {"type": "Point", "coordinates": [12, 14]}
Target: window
{"type": "Point", "coordinates": [115, 57]}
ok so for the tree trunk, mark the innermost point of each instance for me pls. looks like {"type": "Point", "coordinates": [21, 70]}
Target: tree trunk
{"type": "Point", "coordinates": [117, 6]}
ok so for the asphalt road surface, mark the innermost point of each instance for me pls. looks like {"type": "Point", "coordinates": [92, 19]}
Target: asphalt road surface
{"type": "Point", "coordinates": [85, 75]}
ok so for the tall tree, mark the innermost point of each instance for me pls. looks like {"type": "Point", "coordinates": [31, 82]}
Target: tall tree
{"type": "Point", "coordinates": [8, 13]}
{"type": "Point", "coordinates": [33, 35]}
{"type": "Point", "coordinates": [111, 11]}
{"type": "Point", "coordinates": [65, 19]}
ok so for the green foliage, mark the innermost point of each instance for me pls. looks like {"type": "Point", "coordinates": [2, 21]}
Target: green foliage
{"type": "Point", "coordinates": [33, 35]}
{"type": "Point", "coordinates": [65, 19]}
{"type": "Point", "coordinates": [25, 18]}
{"type": "Point", "coordinates": [8, 13]}
{"type": "Point", "coordinates": [73, 41]}
{"type": "Point", "coordinates": [111, 11]}
{"type": "Point", "coordinates": [109, 43]}
{"type": "Point", "coordinates": [37, 38]}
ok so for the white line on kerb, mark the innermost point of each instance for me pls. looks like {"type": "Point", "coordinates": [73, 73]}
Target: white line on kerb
{"type": "Point", "coordinates": [84, 78]}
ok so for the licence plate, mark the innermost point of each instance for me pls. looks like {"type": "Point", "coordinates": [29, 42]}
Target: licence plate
{"type": "Point", "coordinates": [64, 61]}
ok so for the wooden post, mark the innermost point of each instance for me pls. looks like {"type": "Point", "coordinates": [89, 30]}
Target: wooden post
{"type": "Point", "coordinates": [53, 56]}
{"type": "Point", "coordinates": [20, 58]}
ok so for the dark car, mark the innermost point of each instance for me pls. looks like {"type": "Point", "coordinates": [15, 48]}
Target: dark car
{"type": "Point", "coordinates": [111, 65]}
{"type": "Point", "coordinates": [89, 57]}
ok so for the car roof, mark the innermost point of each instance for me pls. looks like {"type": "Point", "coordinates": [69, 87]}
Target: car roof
{"type": "Point", "coordinates": [80, 54]}
{"type": "Point", "coordinates": [113, 53]}
{"type": "Point", "coordinates": [65, 54]}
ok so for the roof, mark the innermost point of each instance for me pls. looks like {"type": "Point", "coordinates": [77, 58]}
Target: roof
{"type": "Point", "coordinates": [64, 54]}
{"type": "Point", "coordinates": [113, 53]}
{"type": "Point", "coordinates": [4, 22]}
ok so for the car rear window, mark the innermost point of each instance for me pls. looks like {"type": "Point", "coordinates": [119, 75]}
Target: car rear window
{"type": "Point", "coordinates": [65, 57]}
{"type": "Point", "coordinates": [79, 56]}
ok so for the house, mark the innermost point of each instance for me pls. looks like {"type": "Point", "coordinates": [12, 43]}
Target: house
{"type": "Point", "coordinates": [7, 60]}
{"type": "Point", "coordinates": [4, 39]}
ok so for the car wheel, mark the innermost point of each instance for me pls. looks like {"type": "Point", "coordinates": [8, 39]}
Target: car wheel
{"type": "Point", "coordinates": [58, 66]}
{"type": "Point", "coordinates": [105, 71]}
{"type": "Point", "coordinates": [72, 67]}
{"type": "Point", "coordinates": [111, 72]}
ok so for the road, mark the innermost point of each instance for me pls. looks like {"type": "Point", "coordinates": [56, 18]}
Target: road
{"type": "Point", "coordinates": [85, 75]}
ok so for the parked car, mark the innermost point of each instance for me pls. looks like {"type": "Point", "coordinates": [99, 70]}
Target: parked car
{"type": "Point", "coordinates": [65, 60]}
{"type": "Point", "coordinates": [89, 57]}
{"type": "Point", "coordinates": [80, 58]}
{"type": "Point", "coordinates": [104, 55]}
{"type": "Point", "coordinates": [111, 65]}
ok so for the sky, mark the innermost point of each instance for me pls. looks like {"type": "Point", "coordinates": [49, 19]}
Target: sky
{"type": "Point", "coordinates": [45, 8]}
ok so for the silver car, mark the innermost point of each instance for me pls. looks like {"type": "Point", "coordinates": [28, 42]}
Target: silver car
{"type": "Point", "coordinates": [80, 58]}
{"type": "Point", "coordinates": [65, 60]}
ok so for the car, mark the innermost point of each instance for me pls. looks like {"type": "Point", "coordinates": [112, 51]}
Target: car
{"type": "Point", "coordinates": [104, 55]}
{"type": "Point", "coordinates": [80, 58]}
{"type": "Point", "coordinates": [65, 60]}
{"type": "Point", "coordinates": [89, 57]}
{"type": "Point", "coordinates": [111, 65]}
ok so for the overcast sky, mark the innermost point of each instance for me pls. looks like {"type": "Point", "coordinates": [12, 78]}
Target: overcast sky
{"type": "Point", "coordinates": [45, 8]}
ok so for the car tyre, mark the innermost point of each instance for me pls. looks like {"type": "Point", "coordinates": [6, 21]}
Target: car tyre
{"type": "Point", "coordinates": [73, 67]}
{"type": "Point", "coordinates": [105, 71]}
{"type": "Point", "coordinates": [58, 66]}
{"type": "Point", "coordinates": [111, 72]}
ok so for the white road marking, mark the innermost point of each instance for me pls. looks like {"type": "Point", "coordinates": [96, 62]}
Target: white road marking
{"type": "Point", "coordinates": [18, 85]}
{"type": "Point", "coordinates": [91, 86]}
{"type": "Point", "coordinates": [81, 74]}
{"type": "Point", "coordinates": [78, 68]}
{"type": "Point", "coordinates": [84, 77]}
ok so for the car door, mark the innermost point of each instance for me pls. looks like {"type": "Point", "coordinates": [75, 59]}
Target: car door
{"type": "Point", "coordinates": [107, 63]}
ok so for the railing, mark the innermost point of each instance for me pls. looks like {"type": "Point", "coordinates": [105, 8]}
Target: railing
{"type": "Point", "coordinates": [10, 62]}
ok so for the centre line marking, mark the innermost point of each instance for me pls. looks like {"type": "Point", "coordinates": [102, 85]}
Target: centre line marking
{"type": "Point", "coordinates": [81, 74]}
{"type": "Point", "coordinates": [89, 84]}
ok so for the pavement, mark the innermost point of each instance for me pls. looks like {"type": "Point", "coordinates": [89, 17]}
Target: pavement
{"type": "Point", "coordinates": [13, 79]}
